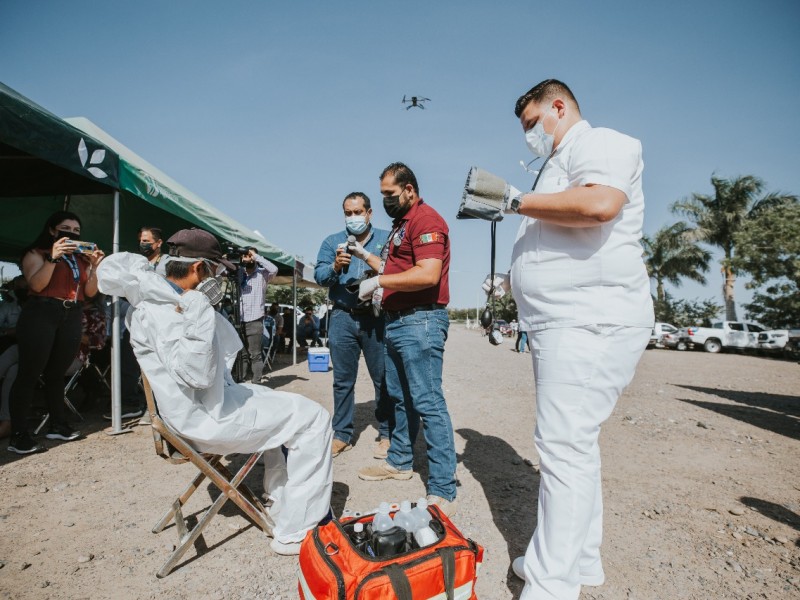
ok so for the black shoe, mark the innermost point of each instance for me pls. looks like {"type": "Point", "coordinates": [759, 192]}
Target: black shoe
{"type": "Point", "coordinates": [22, 443]}
{"type": "Point", "coordinates": [128, 412]}
{"type": "Point", "coordinates": [62, 431]}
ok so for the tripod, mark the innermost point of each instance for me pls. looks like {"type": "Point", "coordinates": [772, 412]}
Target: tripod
{"type": "Point", "coordinates": [233, 296]}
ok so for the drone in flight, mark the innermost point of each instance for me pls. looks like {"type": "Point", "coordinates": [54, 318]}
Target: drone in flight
{"type": "Point", "coordinates": [415, 102]}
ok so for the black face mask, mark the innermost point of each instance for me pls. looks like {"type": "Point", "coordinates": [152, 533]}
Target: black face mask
{"type": "Point", "coordinates": [62, 233]}
{"type": "Point", "coordinates": [391, 204]}
{"type": "Point", "coordinates": [146, 248]}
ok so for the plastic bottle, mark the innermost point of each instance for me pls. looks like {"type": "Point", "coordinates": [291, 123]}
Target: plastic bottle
{"type": "Point", "coordinates": [360, 538]}
{"type": "Point", "coordinates": [359, 535]}
{"type": "Point", "coordinates": [382, 520]}
{"type": "Point", "coordinates": [421, 513]}
{"type": "Point", "coordinates": [423, 534]}
{"type": "Point", "coordinates": [404, 518]}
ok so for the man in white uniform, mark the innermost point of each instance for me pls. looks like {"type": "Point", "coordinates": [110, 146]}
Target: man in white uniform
{"type": "Point", "coordinates": [186, 349]}
{"type": "Point", "coordinates": [583, 296]}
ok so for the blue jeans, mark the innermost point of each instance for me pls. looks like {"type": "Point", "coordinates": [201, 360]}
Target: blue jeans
{"type": "Point", "coordinates": [522, 341]}
{"type": "Point", "coordinates": [349, 336]}
{"type": "Point", "coordinates": [414, 358]}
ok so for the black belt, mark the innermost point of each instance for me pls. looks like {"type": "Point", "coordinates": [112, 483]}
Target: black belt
{"type": "Point", "coordinates": [356, 310]}
{"type": "Point", "coordinates": [410, 311]}
{"type": "Point", "coordinates": [66, 303]}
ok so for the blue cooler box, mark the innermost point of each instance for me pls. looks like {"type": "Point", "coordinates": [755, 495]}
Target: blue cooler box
{"type": "Point", "coordinates": [319, 359]}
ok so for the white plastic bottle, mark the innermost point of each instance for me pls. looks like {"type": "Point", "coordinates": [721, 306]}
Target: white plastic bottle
{"type": "Point", "coordinates": [423, 534]}
{"type": "Point", "coordinates": [382, 520]}
{"type": "Point", "coordinates": [404, 518]}
{"type": "Point", "coordinates": [421, 513]}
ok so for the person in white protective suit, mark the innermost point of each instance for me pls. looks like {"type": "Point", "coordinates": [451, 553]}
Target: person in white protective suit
{"type": "Point", "coordinates": [583, 297]}
{"type": "Point", "coordinates": [186, 350]}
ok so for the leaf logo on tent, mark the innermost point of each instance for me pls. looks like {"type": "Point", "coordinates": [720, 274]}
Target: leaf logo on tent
{"type": "Point", "coordinates": [98, 156]}
{"type": "Point", "coordinates": [153, 189]}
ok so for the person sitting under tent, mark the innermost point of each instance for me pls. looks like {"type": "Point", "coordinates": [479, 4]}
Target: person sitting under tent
{"type": "Point", "coordinates": [186, 350]}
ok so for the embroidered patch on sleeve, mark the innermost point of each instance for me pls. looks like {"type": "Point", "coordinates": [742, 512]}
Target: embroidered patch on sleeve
{"type": "Point", "coordinates": [427, 238]}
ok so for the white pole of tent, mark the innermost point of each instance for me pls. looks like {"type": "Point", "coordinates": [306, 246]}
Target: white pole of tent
{"type": "Point", "coordinates": [116, 379]}
{"type": "Point", "coordinates": [294, 315]}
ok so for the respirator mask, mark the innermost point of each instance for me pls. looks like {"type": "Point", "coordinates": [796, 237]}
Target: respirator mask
{"type": "Point", "coordinates": [210, 286]}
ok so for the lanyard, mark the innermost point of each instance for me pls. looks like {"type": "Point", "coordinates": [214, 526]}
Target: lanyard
{"type": "Point", "coordinates": [395, 239]}
{"type": "Point", "coordinates": [76, 273]}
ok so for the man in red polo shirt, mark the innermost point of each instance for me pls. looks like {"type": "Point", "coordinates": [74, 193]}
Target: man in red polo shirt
{"type": "Point", "coordinates": [412, 287]}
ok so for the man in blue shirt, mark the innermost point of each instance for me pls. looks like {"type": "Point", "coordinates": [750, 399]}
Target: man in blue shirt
{"type": "Point", "coordinates": [352, 327]}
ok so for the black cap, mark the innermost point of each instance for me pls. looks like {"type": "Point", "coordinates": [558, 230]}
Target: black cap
{"type": "Point", "coordinates": [197, 243]}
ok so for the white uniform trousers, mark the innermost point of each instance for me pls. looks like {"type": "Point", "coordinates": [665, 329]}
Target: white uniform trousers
{"type": "Point", "coordinates": [580, 373]}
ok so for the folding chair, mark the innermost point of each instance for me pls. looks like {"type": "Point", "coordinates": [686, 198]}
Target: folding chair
{"type": "Point", "coordinates": [173, 448]}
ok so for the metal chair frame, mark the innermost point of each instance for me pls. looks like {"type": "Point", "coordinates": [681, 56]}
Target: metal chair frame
{"type": "Point", "coordinates": [172, 447]}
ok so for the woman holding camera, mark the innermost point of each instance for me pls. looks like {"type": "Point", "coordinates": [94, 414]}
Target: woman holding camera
{"type": "Point", "coordinates": [61, 275]}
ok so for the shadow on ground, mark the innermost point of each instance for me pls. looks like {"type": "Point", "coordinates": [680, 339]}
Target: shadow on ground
{"type": "Point", "coordinates": [511, 488]}
{"type": "Point", "coordinates": [774, 412]}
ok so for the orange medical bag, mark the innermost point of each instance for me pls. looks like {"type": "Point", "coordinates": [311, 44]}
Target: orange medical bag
{"type": "Point", "coordinates": [332, 568]}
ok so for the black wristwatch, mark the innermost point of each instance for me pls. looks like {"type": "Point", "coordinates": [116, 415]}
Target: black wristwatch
{"type": "Point", "coordinates": [51, 259]}
{"type": "Point", "coordinates": [515, 204]}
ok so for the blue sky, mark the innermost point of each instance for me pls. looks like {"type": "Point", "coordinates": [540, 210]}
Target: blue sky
{"type": "Point", "coordinates": [274, 111]}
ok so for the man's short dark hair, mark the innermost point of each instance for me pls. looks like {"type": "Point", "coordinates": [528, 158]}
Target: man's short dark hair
{"type": "Point", "coordinates": [156, 232]}
{"type": "Point", "coordinates": [355, 195]}
{"type": "Point", "coordinates": [177, 269]}
{"type": "Point", "coordinates": [403, 176]}
{"type": "Point", "coordinates": [544, 91]}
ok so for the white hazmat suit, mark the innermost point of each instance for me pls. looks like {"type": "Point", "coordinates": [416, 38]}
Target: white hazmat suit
{"type": "Point", "coordinates": [186, 349]}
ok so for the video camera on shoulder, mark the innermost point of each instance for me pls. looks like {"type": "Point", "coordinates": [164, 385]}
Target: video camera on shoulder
{"type": "Point", "coordinates": [235, 253]}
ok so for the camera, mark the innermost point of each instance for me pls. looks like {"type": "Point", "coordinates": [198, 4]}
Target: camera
{"type": "Point", "coordinates": [84, 247]}
{"type": "Point", "coordinates": [234, 254]}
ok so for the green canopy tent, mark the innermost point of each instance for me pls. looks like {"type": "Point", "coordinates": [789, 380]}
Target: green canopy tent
{"type": "Point", "coordinates": [139, 180]}
{"type": "Point", "coordinates": [43, 161]}
{"type": "Point", "coordinates": [47, 164]}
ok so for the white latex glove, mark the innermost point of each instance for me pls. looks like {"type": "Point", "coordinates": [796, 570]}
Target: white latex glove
{"type": "Point", "coordinates": [511, 193]}
{"type": "Point", "coordinates": [367, 287]}
{"type": "Point", "coordinates": [359, 251]}
{"type": "Point", "coordinates": [499, 292]}
{"type": "Point", "coordinates": [502, 285]}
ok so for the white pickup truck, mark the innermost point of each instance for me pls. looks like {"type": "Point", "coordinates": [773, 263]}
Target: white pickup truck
{"type": "Point", "coordinates": [776, 341]}
{"type": "Point", "coordinates": [725, 334]}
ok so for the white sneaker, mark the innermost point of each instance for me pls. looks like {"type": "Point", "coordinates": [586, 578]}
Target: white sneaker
{"type": "Point", "coordinates": [518, 566]}
{"type": "Point", "coordinates": [285, 549]}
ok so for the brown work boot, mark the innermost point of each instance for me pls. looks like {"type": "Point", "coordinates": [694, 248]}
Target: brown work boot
{"type": "Point", "coordinates": [383, 471]}
{"type": "Point", "coordinates": [448, 507]}
{"type": "Point", "coordinates": [382, 448]}
{"type": "Point", "coordinates": [339, 446]}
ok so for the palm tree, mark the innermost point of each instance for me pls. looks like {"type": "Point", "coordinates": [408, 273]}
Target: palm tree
{"type": "Point", "coordinates": [718, 218]}
{"type": "Point", "coordinates": [671, 254]}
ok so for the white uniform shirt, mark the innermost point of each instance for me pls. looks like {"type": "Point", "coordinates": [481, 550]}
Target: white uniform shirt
{"type": "Point", "coordinates": [568, 276]}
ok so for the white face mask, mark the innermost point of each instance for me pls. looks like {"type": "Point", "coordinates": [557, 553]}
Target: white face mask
{"type": "Point", "coordinates": [539, 142]}
{"type": "Point", "coordinates": [357, 224]}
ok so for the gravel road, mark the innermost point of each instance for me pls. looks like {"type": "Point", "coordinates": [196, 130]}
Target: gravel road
{"type": "Point", "coordinates": [700, 471]}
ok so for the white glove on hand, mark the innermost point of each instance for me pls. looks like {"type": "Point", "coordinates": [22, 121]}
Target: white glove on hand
{"type": "Point", "coordinates": [359, 251]}
{"type": "Point", "coordinates": [367, 287]}
{"type": "Point", "coordinates": [502, 285]}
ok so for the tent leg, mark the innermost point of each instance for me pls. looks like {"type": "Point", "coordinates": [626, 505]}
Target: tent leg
{"type": "Point", "coordinates": [294, 316]}
{"type": "Point", "coordinates": [116, 380]}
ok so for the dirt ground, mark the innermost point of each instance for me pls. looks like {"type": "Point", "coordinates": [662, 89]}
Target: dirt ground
{"type": "Point", "coordinates": [700, 471]}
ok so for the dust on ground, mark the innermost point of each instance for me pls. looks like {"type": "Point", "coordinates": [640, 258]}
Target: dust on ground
{"type": "Point", "coordinates": [700, 474]}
